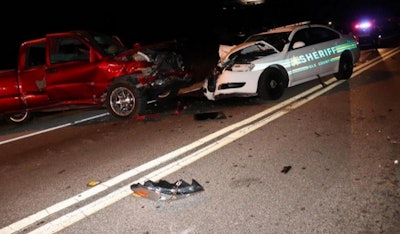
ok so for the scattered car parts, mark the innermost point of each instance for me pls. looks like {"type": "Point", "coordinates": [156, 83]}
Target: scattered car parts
{"type": "Point", "coordinates": [165, 191]}
{"type": "Point", "coordinates": [286, 169]}
{"type": "Point", "coordinates": [209, 115]}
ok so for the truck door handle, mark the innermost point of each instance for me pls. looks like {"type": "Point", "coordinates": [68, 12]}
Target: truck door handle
{"type": "Point", "coordinates": [51, 70]}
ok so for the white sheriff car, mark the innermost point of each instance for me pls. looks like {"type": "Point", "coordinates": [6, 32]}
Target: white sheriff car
{"type": "Point", "coordinates": [266, 63]}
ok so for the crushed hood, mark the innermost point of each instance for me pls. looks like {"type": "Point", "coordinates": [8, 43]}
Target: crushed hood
{"type": "Point", "coordinates": [249, 50]}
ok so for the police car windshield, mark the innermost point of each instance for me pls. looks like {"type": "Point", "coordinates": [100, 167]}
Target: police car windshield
{"type": "Point", "coordinates": [277, 40]}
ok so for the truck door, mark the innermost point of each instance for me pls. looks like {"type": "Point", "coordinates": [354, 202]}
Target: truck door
{"type": "Point", "coordinates": [69, 74]}
{"type": "Point", "coordinates": [31, 75]}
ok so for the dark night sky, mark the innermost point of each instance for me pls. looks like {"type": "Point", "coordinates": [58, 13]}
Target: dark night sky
{"type": "Point", "coordinates": [154, 21]}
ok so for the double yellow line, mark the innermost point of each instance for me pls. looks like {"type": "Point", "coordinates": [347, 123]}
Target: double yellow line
{"type": "Point", "coordinates": [232, 133]}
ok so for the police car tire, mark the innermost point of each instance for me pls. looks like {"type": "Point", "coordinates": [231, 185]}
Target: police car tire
{"type": "Point", "coordinates": [272, 83]}
{"type": "Point", "coordinates": [345, 67]}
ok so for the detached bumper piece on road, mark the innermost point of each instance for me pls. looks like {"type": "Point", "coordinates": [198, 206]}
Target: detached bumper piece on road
{"type": "Point", "coordinates": [165, 191]}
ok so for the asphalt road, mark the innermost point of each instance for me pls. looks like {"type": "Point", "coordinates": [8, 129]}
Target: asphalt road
{"type": "Point", "coordinates": [339, 145]}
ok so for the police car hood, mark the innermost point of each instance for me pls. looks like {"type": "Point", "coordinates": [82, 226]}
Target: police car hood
{"type": "Point", "coordinates": [227, 52]}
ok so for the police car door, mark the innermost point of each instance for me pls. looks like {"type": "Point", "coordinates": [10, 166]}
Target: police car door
{"type": "Point", "coordinates": [325, 41]}
{"type": "Point", "coordinates": [302, 58]}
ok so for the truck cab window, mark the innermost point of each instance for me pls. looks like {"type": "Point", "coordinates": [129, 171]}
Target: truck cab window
{"type": "Point", "coordinates": [69, 49]}
{"type": "Point", "coordinates": [36, 56]}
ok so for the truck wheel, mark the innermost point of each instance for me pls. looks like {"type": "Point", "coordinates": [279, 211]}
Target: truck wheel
{"type": "Point", "coordinates": [123, 100]}
{"type": "Point", "coordinates": [272, 84]}
{"type": "Point", "coordinates": [19, 118]}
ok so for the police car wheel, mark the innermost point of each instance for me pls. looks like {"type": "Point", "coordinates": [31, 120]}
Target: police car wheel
{"type": "Point", "coordinates": [272, 84]}
{"type": "Point", "coordinates": [345, 67]}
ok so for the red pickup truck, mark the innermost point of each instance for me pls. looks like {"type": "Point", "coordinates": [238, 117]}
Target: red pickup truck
{"type": "Point", "coordinates": [83, 68]}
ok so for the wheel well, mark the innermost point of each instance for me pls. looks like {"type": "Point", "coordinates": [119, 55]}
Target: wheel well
{"type": "Point", "coordinates": [345, 66]}
{"type": "Point", "coordinates": [126, 79]}
{"type": "Point", "coordinates": [347, 53]}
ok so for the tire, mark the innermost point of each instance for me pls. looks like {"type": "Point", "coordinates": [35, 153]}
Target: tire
{"type": "Point", "coordinates": [19, 118]}
{"type": "Point", "coordinates": [272, 83]}
{"type": "Point", "coordinates": [345, 67]}
{"type": "Point", "coordinates": [123, 101]}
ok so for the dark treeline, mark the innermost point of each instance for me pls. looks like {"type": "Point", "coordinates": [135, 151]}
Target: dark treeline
{"type": "Point", "coordinates": [202, 24]}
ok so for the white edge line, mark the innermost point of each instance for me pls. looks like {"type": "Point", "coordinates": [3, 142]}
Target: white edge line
{"type": "Point", "coordinates": [52, 129]}
{"type": "Point", "coordinates": [126, 175]}
{"type": "Point", "coordinates": [64, 204]}
{"type": "Point", "coordinates": [83, 212]}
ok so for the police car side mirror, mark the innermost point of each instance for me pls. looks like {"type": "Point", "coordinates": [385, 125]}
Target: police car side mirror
{"type": "Point", "coordinates": [298, 44]}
